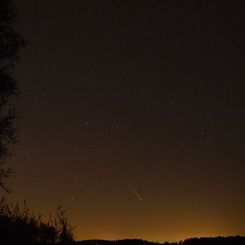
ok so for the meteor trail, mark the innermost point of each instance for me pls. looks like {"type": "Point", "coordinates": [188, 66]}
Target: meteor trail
{"type": "Point", "coordinates": [135, 192]}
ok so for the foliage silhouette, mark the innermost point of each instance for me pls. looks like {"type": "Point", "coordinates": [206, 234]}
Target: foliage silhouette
{"type": "Point", "coordinates": [10, 44]}
{"type": "Point", "coordinates": [21, 226]}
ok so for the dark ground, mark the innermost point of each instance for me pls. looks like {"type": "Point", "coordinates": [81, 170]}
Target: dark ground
{"type": "Point", "coordinates": [233, 240]}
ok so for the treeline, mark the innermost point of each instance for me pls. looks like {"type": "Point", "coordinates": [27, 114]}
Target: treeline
{"type": "Point", "coordinates": [18, 225]}
{"type": "Point", "coordinates": [232, 240]}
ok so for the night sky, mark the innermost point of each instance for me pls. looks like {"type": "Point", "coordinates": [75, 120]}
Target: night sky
{"type": "Point", "coordinates": [132, 116]}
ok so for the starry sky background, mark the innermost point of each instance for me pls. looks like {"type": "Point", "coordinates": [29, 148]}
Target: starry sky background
{"type": "Point", "coordinates": [132, 116]}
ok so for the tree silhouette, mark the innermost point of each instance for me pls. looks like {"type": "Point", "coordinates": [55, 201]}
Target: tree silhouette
{"type": "Point", "coordinates": [18, 225]}
{"type": "Point", "coordinates": [10, 44]}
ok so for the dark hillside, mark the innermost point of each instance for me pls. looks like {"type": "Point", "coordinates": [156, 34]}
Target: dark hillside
{"type": "Point", "coordinates": [233, 240]}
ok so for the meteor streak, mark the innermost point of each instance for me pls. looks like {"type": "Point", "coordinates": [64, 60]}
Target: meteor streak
{"type": "Point", "coordinates": [135, 192]}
